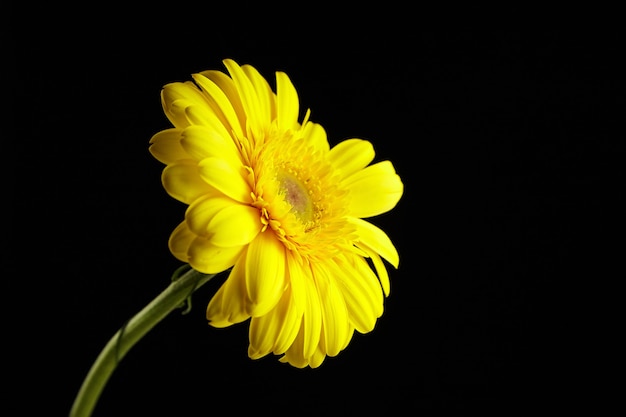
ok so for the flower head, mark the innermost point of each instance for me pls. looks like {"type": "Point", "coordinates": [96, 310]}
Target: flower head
{"type": "Point", "coordinates": [268, 197]}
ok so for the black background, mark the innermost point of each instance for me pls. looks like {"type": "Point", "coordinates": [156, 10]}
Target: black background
{"type": "Point", "coordinates": [497, 136]}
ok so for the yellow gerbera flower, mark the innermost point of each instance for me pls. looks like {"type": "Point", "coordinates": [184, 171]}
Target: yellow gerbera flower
{"type": "Point", "coordinates": [268, 197]}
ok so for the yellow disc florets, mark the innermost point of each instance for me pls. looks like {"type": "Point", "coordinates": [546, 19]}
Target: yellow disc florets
{"type": "Point", "coordinates": [298, 197]}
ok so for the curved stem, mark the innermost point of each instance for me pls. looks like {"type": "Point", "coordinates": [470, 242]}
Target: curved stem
{"type": "Point", "coordinates": [126, 337]}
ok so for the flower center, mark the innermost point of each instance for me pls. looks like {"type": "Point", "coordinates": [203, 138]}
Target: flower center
{"type": "Point", "coordinates": [299, 198]}
{"type": "Point", "coordinates": [296, 194]}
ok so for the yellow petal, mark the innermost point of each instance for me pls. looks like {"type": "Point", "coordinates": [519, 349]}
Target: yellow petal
{"type": "Point", "coordinates": [200, 213]}
{"type": "Point", "coordinates": [296, 295]}
{"type": "Point", "coordinates": [203, 142]}
{"type": "Point", "coordinates": [175, 114]}
{"type": "Point", "coordinates": [210, 119]}
{"type": "Point", "coordinates": [312, 318]}
{"type": "Point", "coordinates": [175, 97]}
{"type": "Point", "coordinates": [226, 178]}
{"type": "Point", "coordinates": [368, 279]}
{"type": "Point", "coordinates": [224, 221]}
{"type": "Point", "coordinates": [373, 241]}
{"type": "Point", "coordinates": [373, 190]}
{"type": "Point", "coordinates": [294, 355]}
{"type": "Point", "coordinates": [204, 115]}
{"type": "Point", "coordinates": [235, 225]}
{"type": "Point", "coordinates": [381, 270]}
{"type": "Point", "coordinates": [276, 330]}
{"type": "Point", "coordinates": [221, 92]}
{"type": "Point", "coordinates": [185, 91]}
{"type": "Point", "coordinates": [287, 106]}
{"type": "Point", "coordinates": [208, 258]}
{"type": "Point", "coordinates": [315, 135]}
{"type": "Point", "coordinates": [351, 155]}
{"type": "Point", "coordinates": [291, 318]}
{"type": "Point", "coordinates": [262, 334]}
{"type": "Point", "coordinates": [180, 241]}
{"type": "Point", "coordinates": [265, 273]}
{"type": "Point", "coordinates": [376, 239]}
{"type": "Point", "coordinates": [361, 290]}
{"type": "Point", "coordinates": [214, 313]}
{"type": "Point", "coordinates": [249, 98]}
{"type": "Point", "coordinates": [317, 358]}
{"type": "Point", "coordinates": [183, 182]}
{"type": "Point", "coordinates": [228, 305]}
{"type": "Point", "coordinates": [334, 313]}
{"type": "Point", "coordinates": [264, 93]}
{"type": "Point", "coordinates": [296, 276]}
{"type": "Point", "coordinates": [350, 333]}
{"type": "Point", "coordinates": [165, 146]}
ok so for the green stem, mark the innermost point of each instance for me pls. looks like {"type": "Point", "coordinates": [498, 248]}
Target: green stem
{"type": "Point", "coordinates": [125, 338]}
